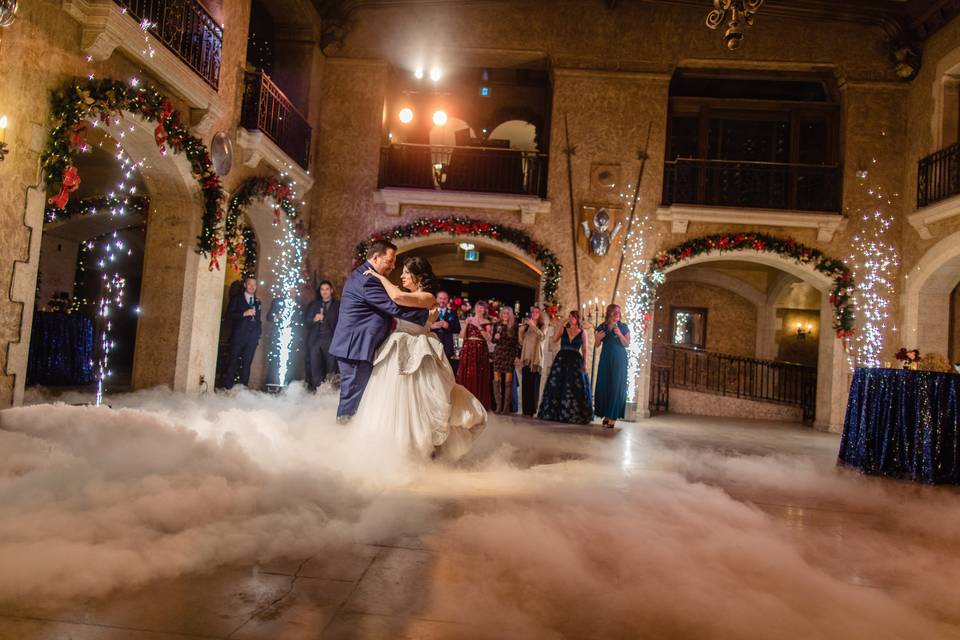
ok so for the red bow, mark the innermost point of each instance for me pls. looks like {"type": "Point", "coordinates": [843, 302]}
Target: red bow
{"type": "Point", "coordinates": [160, 133]}
{"type": "Point", "coordinates": [71, 180]}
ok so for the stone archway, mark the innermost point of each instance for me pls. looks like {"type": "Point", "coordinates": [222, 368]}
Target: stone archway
{"type": "Point", "coordinates": [832, 366]}
{"type": "Point", "coordinates": [176, 343]}
{"type": "Point", "coordinates": [514, 242]}
{"type": "Point", "coordinates": [925, 302]}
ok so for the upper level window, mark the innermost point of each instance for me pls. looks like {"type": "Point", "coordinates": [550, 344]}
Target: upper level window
{"type": "Point", "coordinates": [752, 142]}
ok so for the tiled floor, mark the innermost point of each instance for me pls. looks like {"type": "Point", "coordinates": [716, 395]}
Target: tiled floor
{"type": "Point", "coordinates": [670, 528]}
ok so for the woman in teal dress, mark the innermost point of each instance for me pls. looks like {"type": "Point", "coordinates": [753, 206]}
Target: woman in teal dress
{"type": "Point", "coordinates": [610, 396]}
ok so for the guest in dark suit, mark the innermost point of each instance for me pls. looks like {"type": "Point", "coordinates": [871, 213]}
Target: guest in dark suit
{"type": "Point", "coordinates": [366, 314]}
{"type": "Point", "coordinates": [446, 326]}
{"type": "Point", "coordinates": [321, 322]}
{"type": "Point", "coordinates": [244, 313]}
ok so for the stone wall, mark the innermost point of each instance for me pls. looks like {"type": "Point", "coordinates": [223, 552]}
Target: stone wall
{"type": "Point", "coordinates": [731, 319]}
{"type": "Point", "coordinates": [695, 403]}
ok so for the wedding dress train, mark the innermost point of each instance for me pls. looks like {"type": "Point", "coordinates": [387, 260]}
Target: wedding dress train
{"type": "Point", "coordinates": [413, 398]}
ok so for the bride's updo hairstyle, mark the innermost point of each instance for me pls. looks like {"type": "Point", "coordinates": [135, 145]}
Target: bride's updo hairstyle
{"type": "Point", "coordinates": [420, 269]}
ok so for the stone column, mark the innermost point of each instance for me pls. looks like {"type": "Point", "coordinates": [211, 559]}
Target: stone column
{"type": "Point", "coordinates": [833, 374]}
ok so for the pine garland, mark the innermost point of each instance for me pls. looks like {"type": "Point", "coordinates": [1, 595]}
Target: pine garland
{"type": "Point", "coordinates": [106, 101]}
{"type": "Point", "coordinates": [458, 226]}
{"type": "Point", "coordinates": [841, 297]}
{"type": "Point", "coordinates": [241, 244]}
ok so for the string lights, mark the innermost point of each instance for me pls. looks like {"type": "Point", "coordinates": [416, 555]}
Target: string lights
{"type": "Point", "coordinates": [875, 262]}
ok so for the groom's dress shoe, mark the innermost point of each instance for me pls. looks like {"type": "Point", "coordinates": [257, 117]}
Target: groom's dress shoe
{"type": "Point", "coordinates": [344, 419]}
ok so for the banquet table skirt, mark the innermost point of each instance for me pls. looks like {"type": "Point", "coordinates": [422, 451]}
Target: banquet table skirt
{"type": "Point", "coordinates": [61, 349]}
{"type": "Point", "coordinates": [903, 424]}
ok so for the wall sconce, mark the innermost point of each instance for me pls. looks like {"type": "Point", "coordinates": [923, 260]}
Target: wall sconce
{"type": "Point", "coordinates": [3, 136]}
{"type": "Point", "coordinates": [802, 332]}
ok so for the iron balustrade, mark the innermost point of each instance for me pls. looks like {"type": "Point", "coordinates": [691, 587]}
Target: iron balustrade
{"type": "Point", "coordinates": [660, 389]}
{"type": "Point", "coordinates": [482, 169]}
{"type": "Point", "coordinates": [938, 176]}
{"type": "Point", "coordinates": [187, 29]}
{"type": "Point", "coordinates": [763, 185]}
{"type": "Point", "coordinates": [267, 109]}
{"type": "Point", "coordinates": [740, 377]}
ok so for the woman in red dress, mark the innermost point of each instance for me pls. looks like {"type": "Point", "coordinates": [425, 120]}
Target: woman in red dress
{"type": "Point", "coordinates": [473, 371]}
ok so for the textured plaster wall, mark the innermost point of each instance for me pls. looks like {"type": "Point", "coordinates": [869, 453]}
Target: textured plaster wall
{"type": "Point", "coordinates": [731, 319]}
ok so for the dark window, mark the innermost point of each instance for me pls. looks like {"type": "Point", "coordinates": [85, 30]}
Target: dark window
{"type": "Point", "coordinates": [688, 326]}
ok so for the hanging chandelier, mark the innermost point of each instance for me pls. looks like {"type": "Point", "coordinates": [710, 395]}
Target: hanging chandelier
{"type": "Point", "coordinates": [741, 14]}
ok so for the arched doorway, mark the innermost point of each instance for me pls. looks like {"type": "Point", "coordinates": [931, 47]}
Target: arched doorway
{"type": "Point", "coordinates": [930, 305]}
{"type": "Point", "coordinates": [832, 370]}
{"type": "Point", "coordinates": [176, 334]}
{"type": "Point", "coordinates": [478, 270]}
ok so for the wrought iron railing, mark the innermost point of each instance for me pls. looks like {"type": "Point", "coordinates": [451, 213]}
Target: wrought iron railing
{"type": "Point", "coordinates": [186, 28]}
{"type": "Point", "coordinates": [740, 377]}
{"type": "Point", "coordinates": [483, 169]}
{"type": "Point", "coordinates": [938, 176]}
{"type": "Point", "coordinates": [763, 185]}
{"type": "Point", "coordinates": [659, 389]}
{"type": "Point", "coordinates": [267, 109]}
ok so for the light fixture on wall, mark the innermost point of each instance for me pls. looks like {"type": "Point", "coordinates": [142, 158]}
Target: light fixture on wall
{"type": "Point", "coordinates": [803, 332]}
{"type": "Point", "coordinates": [8, 12]}
{"type": "Point", "coordinates": [406, 115]}
{"type": "Point", "coordinates": [436, 74]}
{"type": "Point", "coordinates": [3, 137]}
{"type": "Point", "coordinates": [741, 14]}
{"type": "Point", "coordinates": [418, 73]}
{"type": "Point", "coordinates": [439, 117]}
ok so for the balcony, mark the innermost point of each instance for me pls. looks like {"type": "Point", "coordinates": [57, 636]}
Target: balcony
{"type": "Point", "coordinates": [768, 193]}
{"type": "Point", "coordinates": [938, 189]}
{"type": "Point", "coordinates": [268, 111]}
{"type": "Point", "coordinates": [759, 185]}
{"type": "Point", "coordinates": [188, 62]}
{"type": "Point", "coordinates": [480, 177]}
{"type": "Point", "coordinates": [186, 28]}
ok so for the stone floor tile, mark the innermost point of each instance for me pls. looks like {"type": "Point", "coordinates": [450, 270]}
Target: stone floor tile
{"type": "Point", "coordinates": [29, 629]}
{"type": "Point", "coordinates": [397, 583]}
{"type": "Point", "coordinates": [302, 614]}
{"type": "Point", "coordinates": [359, 626]}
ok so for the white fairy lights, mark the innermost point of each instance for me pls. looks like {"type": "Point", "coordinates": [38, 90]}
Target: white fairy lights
{"type": "Point", "coordinates": [287, 279]}
{"type": "Point", "coordinates": [875, 262]}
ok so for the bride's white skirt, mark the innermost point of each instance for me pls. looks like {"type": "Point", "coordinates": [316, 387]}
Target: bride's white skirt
{"type": "Point", "coordinates": [413, 400]}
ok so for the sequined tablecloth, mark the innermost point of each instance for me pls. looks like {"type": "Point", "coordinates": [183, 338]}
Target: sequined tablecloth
{"type": "Point", "coordinates": [61, 349]}
{"type": "Point", "coordinates": [903, 424]}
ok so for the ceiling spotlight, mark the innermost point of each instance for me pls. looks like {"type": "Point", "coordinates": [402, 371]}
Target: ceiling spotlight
{"type": "Point", "coordinates": [467, 246]}
{"type": "Point", "coordinates": [435, 74]}
{"type": "Point", "coordinates": [418, 73]}
{"type": "Point", "coordinates": [440, 117]}
{"type": "Point", "coordinates": [406, 115]}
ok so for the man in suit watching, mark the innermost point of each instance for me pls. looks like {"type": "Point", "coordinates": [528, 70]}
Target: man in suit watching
{"type": "Point", "coordinates": [321, 321]}
{"type": "Point", "coordinates": [244, 313]}
{"type": "Point", "coordinates": [447, 325]}
{"type": "Point", "coordinates": [366, 315]}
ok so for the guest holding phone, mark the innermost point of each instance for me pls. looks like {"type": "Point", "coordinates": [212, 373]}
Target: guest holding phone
{"type": "Point", "coordinates": [566, 396]}
{"type": "Point", "coordinates": [610, 400]}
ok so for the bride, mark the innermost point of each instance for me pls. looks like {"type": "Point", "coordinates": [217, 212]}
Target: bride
{"type": "Point", "coordinates": [412, 397]}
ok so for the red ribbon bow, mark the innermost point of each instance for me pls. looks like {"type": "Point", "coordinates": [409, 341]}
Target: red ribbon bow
{"type": "Point", "coordinates": [71, 181]}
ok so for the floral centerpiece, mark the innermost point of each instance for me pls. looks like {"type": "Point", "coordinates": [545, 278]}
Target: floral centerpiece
{"type": "Point", "coordinates": [908, 358]}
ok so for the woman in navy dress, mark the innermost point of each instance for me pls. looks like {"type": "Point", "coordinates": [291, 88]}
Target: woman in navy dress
{"type": "Point", "coordinates": [610, 396]}
{"type": "Point", "coordinates": [566, 395]}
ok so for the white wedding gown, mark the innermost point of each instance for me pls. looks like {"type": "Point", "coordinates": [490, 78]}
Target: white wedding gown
{"type": "Point", "coordinates": [413, 399]}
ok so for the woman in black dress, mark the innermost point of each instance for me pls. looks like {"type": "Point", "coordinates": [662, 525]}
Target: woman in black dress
{"type": "Point", "coordinates": [505, 356]}
{"type": "Point", "coordinates": [566, 396]}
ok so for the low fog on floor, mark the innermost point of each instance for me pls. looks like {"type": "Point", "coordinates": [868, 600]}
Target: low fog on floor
{"type": "Point", "coordinates": [664, 528]}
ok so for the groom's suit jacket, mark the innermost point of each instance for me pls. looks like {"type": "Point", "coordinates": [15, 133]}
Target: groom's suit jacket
{"type": "Point", "coordinates": [366, 312]}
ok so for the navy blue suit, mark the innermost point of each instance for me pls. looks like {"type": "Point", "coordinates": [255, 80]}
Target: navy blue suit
{"type": "Point", "coordinates": [244, 336]}
{"type": "Point", "coordinates": [453, 329]}
{"type": "Point", "coordinates": [366, 315]}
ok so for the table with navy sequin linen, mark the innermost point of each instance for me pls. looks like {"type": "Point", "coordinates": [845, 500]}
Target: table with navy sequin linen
{"type": "Point", "coordinates": [903, 424]}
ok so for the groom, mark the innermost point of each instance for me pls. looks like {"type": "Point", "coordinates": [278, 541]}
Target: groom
{"type": "Point", "coordinates": [366, 314]}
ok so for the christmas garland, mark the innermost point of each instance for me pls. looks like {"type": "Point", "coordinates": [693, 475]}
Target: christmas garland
{"type": "Point", "coordinates": [241, 245]}
{"type": "Point", "coordinates": [840, 296]}
{"type": "Point", "coordinates": [105, 101]}
{"type": "Point", "coordinates": [457, 226]}
{"type": "Point", "coordinates": [89, 206]}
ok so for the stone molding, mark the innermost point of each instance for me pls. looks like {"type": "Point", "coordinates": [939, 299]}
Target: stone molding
{"type": "Point", "coordinates": [681, 215]}
{"type": "Point", "coordinates": [104, 28]}
{"type": "Point", "coordinates": [529, 206]}
{"type": "Point", "coordinates": [255, 147]}
{"type": "Point", "coordinates": [936, 212]}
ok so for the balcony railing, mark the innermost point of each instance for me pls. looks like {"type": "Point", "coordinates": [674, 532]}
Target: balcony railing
{"type": "Point", "coordinates": [727, 375]}
{"type": "Point", "coordinates": [762, 185]}
{"type": "Point", "coordinates": [938, 176]}
{"type": "Point", "coordinates": [481, 169]}
{"type": "Point", "coordinates": [267, 109]}
{"type": "Point", "coordinates": [186, 28]}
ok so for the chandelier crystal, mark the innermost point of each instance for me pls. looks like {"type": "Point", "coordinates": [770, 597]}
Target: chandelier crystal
{"type": "Point", "coordinates": [741, 15]}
